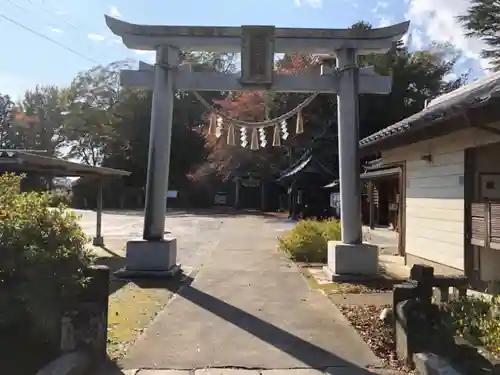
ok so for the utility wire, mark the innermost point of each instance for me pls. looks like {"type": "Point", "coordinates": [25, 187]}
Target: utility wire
{"type": "Point", "coordinates": [69, 49]}
{"type": "Point", "coordinates": [50, 12]}
{"type": "Point", "coordinates": [46, 11]}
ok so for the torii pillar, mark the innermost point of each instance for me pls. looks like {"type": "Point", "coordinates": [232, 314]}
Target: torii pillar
{"type": "Point", "coordinates": [258, 44]}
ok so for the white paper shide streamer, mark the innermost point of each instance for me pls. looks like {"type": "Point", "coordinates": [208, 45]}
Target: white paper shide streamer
{"type": "Point", "coordinates": [258, 129]}
{"type": "Point", "coordinates": [262, 137]}
{"type": "Point", "coordinates": [218, 127]}
{"type": "Point", "coordinates": [243, 138]}
{"type": "Point", "coordinates": [284, 130]}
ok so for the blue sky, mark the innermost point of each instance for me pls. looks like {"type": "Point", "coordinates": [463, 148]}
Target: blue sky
{"type": "Point", "coordinates": [29, 59]}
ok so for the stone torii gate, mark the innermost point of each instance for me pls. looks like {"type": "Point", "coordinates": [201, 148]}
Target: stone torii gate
{"type": "Point", "coordinates": [257, 44]}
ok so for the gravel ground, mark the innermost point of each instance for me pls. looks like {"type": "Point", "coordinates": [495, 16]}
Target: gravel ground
{"type": "Point", "coordinates": [375, 333]}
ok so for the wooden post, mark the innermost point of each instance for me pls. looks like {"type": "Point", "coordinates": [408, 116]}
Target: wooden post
{"type": "Point", "coordinates": [237, 189]}
{"type": "Point", "coordinates": [98, 240]}
{"type": "Point", "coordinates": [371, 205]}
{"type": "Point", "coordinates": [262, 195]}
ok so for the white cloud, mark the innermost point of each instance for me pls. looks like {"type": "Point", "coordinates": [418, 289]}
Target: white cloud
{"type": "Point", "coordinates": [114, 41]}
{"type": "Point", "coordinates": [405, 39]}
{"type": "Point", "coordinates": [385, 21]}
{"type": "Point", "coordinates": [316, 4]}
{"type": "Point", "coordinates": [55, 30]}
{"type": "Point", "coordinates": [13, 85]}
{"type": "Point", "coordinates": [450, 77]}
{"type": "Point", "coordinates": [416, 40]}
{"type": "Point", "coordinates": [95, 37]}
{"type": "Point", "coordinates": [114, 12]}
{"type": "Point", "coordinates": [380, 5]}
{"type": "Point", "coordinates": [436, 21]}
{"type": "Point", "coordinates": [146, 56]}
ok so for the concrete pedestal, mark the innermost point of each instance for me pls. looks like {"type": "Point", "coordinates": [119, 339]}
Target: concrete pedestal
{"type": "Point", "coordinates": [351, 262]}
{"type": "Point", "coordinates": [150, 259]}
{"type": "Point", "coordinates": [98, 241]}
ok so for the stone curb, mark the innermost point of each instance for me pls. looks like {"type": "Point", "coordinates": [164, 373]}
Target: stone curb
{"type": "Point", "coordinates": [246, 371]}
{"type": "Point", "coordinates": [74, 363]}
{"type": "Point", "coordinates": [432, 364]}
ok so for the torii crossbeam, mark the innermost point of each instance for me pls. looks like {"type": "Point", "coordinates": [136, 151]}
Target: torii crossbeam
{"type": "Point", "coordinates": [258, 45]}
{"type": "Point", "coordinates": [187, 80]}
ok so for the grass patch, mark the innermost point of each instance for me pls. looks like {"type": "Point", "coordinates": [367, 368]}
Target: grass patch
{"type": "Point", "coordinates": [132, 307]}
{"type": "Point", "coordinates": [476, 319]}
{"type": "Point", "coordinates": [378, 284]}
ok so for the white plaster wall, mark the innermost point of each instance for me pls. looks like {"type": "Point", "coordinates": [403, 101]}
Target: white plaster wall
{"type": "Point", "coordinates": [435, 208]}
{"type": "Point", "coordinates": [435, 194]}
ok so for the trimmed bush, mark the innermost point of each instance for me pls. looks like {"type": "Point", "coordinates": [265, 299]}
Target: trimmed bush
{"type": "Point", "coordinates": [42, 258]}
{"type": "Point", "coordinates": [308, 240]}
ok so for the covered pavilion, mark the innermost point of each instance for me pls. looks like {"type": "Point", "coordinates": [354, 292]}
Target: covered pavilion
{"type": "Point", "coordinates": [25, 162]}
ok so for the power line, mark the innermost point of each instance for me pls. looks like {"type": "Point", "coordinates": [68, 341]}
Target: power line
{"type": "Point", "coordinates": [50, 39]}
{"type": "Point", "coordinates": [50, 11]}
{"type": "Point", "coordinates": [44, 10]}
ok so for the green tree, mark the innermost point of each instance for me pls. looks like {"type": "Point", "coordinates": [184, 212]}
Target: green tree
{"type": "Point", "coordinates": [40, 125]}
{"type": "Point", "coordinates": [482, 21]}
{"type": "Point", "coordinates": [7, 127]}
{"type": "Point", "coordinates": [121, 125]}
{"type": "Point", "coordinates": [416, 77]}
{"type": "Point", "coordinates": [90, 113]}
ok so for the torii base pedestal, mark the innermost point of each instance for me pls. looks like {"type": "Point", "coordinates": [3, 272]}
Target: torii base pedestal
{"type": "Point", "coordinates": [351, 262]}
{"type": "Point", "coordinates": [150, 259]}
{"type": "Point", "coordinates": [98, 241]}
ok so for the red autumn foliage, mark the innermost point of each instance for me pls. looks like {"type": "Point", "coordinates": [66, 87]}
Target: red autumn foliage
{"type": "Point", "coordinates": [246, 105]}
{"type": "Point", "coordinates": [227, 161]}
{"type": "Point", "coordinates": [298, 64]}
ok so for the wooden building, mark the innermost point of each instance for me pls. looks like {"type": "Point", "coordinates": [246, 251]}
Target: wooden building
{"type": "Point", "coordinates": [448, 155]}
{"type": "Point", "coordinates": [305, 181]}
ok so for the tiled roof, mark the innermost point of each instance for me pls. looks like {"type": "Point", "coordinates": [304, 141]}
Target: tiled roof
{"type": "Point", "coordinates": [476, 93]}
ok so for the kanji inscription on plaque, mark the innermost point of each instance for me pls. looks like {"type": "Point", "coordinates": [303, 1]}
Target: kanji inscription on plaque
{"type": "Point", "coordinates": [257, 55]}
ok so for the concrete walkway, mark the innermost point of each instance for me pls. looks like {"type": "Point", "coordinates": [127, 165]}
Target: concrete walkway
{"type": "Point", "coordinates": [249, 309]}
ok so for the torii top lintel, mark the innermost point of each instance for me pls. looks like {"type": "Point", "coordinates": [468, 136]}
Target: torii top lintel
{"type": "Point", "coordinates": [228, 39]}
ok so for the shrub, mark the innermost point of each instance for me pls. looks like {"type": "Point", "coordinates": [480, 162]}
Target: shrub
{"type": "Point", "coordinates": [58, 197]}
{"type": "Point", "coordinates": [476, 318]}
{"type": "Point", "coordinates": [42, 258]}
{"type": "Point", "coordinates": [308, 240]}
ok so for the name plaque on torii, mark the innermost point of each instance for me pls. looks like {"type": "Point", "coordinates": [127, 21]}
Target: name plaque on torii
{"type": "Point", "coordinates": [257, 55]}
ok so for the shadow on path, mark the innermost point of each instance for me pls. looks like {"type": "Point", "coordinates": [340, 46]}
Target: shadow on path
{"type": "Point", "coordinates": [311, 355]}
{"type": "Point", "coordinates": [209, 212]}
{"type": "Point", "coordinates": [114, 263]}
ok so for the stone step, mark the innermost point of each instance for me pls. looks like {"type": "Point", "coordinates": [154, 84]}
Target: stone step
{"type": "Point", "coordinates": [235, 371]}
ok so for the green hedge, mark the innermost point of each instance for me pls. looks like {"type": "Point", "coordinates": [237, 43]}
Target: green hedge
{"type": "Point", "coordinates": [308, 240]}
{"type": "Point", "coordinates": [42, 258]}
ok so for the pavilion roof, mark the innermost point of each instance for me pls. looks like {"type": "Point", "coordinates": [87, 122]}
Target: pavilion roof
{"type": "Point", "coordinates": [25, 162]}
